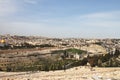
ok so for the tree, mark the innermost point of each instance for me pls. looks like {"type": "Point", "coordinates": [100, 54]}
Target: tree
{"type": "Point", "coordinates": [99, 63]}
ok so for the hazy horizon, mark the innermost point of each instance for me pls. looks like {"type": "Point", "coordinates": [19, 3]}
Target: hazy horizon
{"type": "Point", "coordinates": [61, 18]}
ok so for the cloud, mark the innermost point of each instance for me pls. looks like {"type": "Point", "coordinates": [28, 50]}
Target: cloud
{"type": "Point", "coordinates": [109, 19]}
{"type": "Point", "coordinates": [102, 19]}
{"type": "Point", "coordinates": [31, 1]}
{"type": "Point", "coordinates": [102, 15]}
{"type": "Point", "coordinates": [7, 7]}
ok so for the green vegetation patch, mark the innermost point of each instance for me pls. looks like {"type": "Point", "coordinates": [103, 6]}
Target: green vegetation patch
{"type": "Point", "coordinates": [73, 50]}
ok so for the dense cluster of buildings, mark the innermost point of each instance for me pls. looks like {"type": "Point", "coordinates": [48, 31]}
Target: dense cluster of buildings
{"type": "Point", "coordinates": [109, 44]}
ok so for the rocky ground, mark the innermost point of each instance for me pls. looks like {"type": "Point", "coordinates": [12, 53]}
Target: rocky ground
{"type": "Point", "coordinates": [77, 73]}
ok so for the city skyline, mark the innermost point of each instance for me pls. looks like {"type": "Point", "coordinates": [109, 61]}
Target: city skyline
{"type": "Point", "coordinates": [61, 18]}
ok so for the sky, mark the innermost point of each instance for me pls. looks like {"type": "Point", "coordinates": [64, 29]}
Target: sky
{"type": "Point", "coordinates": [61, 18]}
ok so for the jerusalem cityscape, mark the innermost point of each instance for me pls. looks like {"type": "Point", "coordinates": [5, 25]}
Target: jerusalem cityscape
{"type": "Point", "coordinates": [59, 39]}
{"type": "Point", "coordinates": [38, 54]}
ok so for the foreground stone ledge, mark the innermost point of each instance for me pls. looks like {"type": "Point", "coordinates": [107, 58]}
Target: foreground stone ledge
{"type": "Point", "coordinates": [77, 73]}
